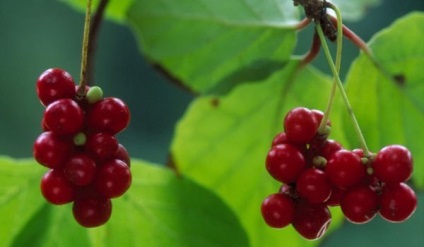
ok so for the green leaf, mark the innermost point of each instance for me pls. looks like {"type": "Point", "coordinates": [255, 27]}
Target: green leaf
{"type": "Point", "coordinates": [354, 10]}
{"type": "Point", "coordinates": [389, 104]}
{"type": "Point", "coordinates": [160, 209]}
{"type": "Point", "coordinates": [116, 9]}
{"type": "Point", "coordinates": [202, 43]}
{"type": "Point", "coordinates": [222, 143]}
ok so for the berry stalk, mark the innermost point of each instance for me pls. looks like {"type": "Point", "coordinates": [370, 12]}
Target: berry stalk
{"type": "Point", "coordinates": [333, 68]}
{"type": "Point", "coordinates": [85, 42]}
{"type": "Point", "coordinates": [323, 125]}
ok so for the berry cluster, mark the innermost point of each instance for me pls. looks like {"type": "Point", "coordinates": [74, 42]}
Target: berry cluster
{"type": "Point", "coordinates": [317, 172]}
{"type": "Point", "coordinates": [87, 165]}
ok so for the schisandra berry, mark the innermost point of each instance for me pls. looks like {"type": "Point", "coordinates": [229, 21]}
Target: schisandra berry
{"type": "Point", "coordinates": [285, 163]}
{"type": "Point", "coordinates": [113, 178]}
{"type": "Point", "coordinates": [393, 164]}
{"type": "Point", "coordinates": [80, 169]}
{"type": "Point", "coordinates": [311, 220]}
{"type": "Point", "coordinates": [64, 117]}
{"type": "Point", "coordinates": [122, 154]}
{"type": "Point", "coordinates": [278, 210]}
{"type": "Point", "coordinates": [50, 150]}
{"type": "Point", "coordinates": [359, 204]}
{"type": "Point", "coordinates": [102, 146]}
{"type": "Point", "coordinates": [345, 169]}
{"type": "Point", "coordinates": [56, 189]}
{"type": "Point", "coordinates": [397, 202]}
{"type": "Point", "coordinates": [54, 84]}
{"type": "Point", "coordinates": [300, 125]}
{"type": "Point", "coordinates": [108, 115]}
{"type": "Point", "coordinates": [314, 185]}
{"type": "Point", "coordinates": [92, 211]}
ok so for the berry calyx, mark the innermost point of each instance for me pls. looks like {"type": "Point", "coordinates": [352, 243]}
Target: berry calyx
{"type": "Point", "coordinates": [94, 94]}
{"type": "Point", "coordinates": [278, 210]}
{"type": "Point", "coordinates": [393, 164]}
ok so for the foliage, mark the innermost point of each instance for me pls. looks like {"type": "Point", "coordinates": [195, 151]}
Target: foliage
{"type": "Point", "coordinates": [237, 56]}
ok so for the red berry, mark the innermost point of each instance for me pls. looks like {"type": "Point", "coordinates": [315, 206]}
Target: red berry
{"type": "Point", "coordinates": [397, 202]}
{"type": "Point", "coordinates": [359, 204]}
{"type": "Point", "coordinates": [102, 146]}
{"type": "Point", "coordinates": [393, 164]}
{"type": "Point", "coordinates": [314, 185]}
{"type": "Point", "coordinates": [311, 220]}
{"type": "Point", "coordinates": [122, 154]}
{"type": "Point", "coordinates": [319, 115]}
{"type": "Point", "coordinates": [300, 125]}
{"type": "Point", "coordinates": [56, 189]}
{"type": "Point", "coordinates": [329, 148]}
{"type": "Point", "coordinates": [50, 150]}
{"type": "Point", "coordinates": [285, 163]}
{"type": "Point", "coordinates": [336, 196]}
{"type": "Point", "coordinates": [108, 115]}
{"type": "Point", "coordinates": [113, 178]}
{"type": "Point", "coordinates": [80, 169]}
{"type": "Point", "coordinates": [278, 210]}
{"type": "Point", "coordinates": [345, 169]}
{"type": "Point", "coordinates": [54, 84]}
{"type": "Point", "coordinates": [64, 117]}
{"type": "Point", "coordinates": [92, 211]}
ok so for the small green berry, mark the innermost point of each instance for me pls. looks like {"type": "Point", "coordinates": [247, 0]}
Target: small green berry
{"type": "Point", "coordinates": [94, 94]}
{"type": "Point", "coordinates": [80, 139]}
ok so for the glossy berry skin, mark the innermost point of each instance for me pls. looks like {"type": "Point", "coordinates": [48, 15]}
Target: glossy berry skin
{"type": "Point", "coordinates": [64, 117]}
{"type": "Point", "coordinates": [345, 169]}
{"type": "Point", "coordinates": [329, 148]}
{"type": "Point", "coordinates": [285, 163]}
{"type": "Point", "coordinates": [102, 146]}
{"type": "Point", "coordinates": [113, 178]}
{"type": "Point", "coordinates": [393, 164]}
{"type": "Point", "coordinates": [278, 210]}
{"type": "Point", "coordinates": [92, 211]}
{"type": "Point", "coordinates": [54, 84]}
{"type": "Point", "coordinates": [311, 220]}
{"type": "Point", "coordinates": [336, 196]}
{"type": "Point", "coordinates": [359, 204]}
{"type": "Point", "coordinates": [50, 150]}
{"type": "Point", "coordinates": [80, 169]}
{"type": "Point", "coordinates": [314, 186]}
{"type": "Point", "coordinates": [56, 189]}
{"type": "Point", "coordinates": [397, 202]}
{"type": "Point", "coordinates": [300, 125]}
{"type": "Point", "coordinates": [108, 115]}
{"type": "Point", "coordinates": [122, 154]}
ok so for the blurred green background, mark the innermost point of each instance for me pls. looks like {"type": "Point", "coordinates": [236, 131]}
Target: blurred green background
{"type": "Point", "coordinates": [39, 34]}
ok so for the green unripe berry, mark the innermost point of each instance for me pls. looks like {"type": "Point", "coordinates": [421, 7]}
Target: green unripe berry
{"type": "Point", "coordinates": [94, 94]}
{"type": "Point", "coordinates": [80, 139]}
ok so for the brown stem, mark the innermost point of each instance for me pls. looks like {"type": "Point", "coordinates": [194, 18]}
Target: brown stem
{"type": "Point", "coordinates": [302, 24]}
{"type": "Point", "coordinates": [92, 43]}
{"type": "Point", "coordinates": [313, 52]}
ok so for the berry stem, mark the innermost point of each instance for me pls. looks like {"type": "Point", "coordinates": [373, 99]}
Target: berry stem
{"type": "Point", "coordinates": [322, 127]}
{"type": "Point", "coordinates": [83, 77]}
{"type": "Point", "coordinates": [343, 92]}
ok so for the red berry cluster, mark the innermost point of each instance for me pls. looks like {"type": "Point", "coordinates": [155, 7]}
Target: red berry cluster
{"type": "Point", "coordinates": [87, 165]}
{"type": "Point", "coordinates": [318, 172]}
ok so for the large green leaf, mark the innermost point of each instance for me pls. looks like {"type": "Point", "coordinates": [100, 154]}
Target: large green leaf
{"type": "Point", "coordinates": [116, 9]}
{"type": "Point", "coordinates": [389, 104]}
{"type": "Point", "coordinates": [160, 209]}
{"type": "Point", "coordinates": [205, 43]}
{"type": "Point", "coordinates": [222, 143]}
